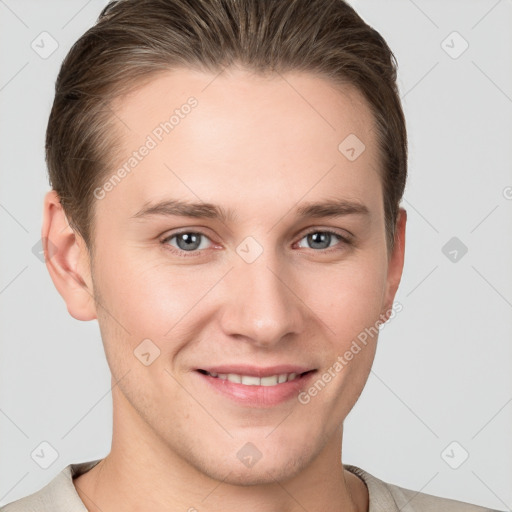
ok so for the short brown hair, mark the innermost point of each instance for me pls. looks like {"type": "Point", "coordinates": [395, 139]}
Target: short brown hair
{"type": "Point", "coordinates": [133, 40]}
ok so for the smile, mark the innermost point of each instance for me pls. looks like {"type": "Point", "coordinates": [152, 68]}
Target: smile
{"type": "Point", "coordinates": [251, 380]}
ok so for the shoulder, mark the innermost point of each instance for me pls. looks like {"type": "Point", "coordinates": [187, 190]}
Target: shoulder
{"type": "Point", "coordinates": [387, 497]}
{"type": "Point", "coordinates": [59, 495]}
{"type": "Point", "coordinates": [407, 499]}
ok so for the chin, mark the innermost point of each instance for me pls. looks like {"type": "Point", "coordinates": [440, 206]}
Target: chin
{"type": "Point", "coordinates": [269, 468]}
{"type": "Point", "coordinates": [260, 474]}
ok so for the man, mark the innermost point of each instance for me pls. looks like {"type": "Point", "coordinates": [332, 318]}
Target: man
{"type": "Point", "coordinates": [226, 179]}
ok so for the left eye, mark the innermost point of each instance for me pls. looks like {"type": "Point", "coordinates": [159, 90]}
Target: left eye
{"type": "Point", "coordinates": [322, 239]}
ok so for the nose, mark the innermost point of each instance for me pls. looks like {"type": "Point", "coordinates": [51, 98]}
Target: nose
{"type": "Point", "coordinates": [260, 304]}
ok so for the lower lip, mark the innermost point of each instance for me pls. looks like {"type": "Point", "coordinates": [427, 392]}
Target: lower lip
{"type": "Point", "coordinates": [258, 396]}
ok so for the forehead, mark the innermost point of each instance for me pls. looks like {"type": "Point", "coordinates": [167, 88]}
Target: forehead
{"type": "Point", "coordinates": [243, 136]}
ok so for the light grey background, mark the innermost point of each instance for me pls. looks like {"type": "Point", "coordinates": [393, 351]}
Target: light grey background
{"type": "Point", "coordinates": [444, 364]}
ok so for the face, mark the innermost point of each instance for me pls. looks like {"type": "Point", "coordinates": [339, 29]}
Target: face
{"type": "Point", "coordinates": [205, 310]}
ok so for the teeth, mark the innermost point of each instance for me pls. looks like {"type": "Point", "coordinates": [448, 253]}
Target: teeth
{"type": "Point", "coordinates": [271, 380]}
{"type": "Point", "coordinates": [249, 380]}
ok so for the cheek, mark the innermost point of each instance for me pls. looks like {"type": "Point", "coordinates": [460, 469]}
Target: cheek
{"type": "Point", "coordinates": [348, 301]}
{"type": "Point", "coordinates": [149, 298]}
{"type": "Point", "coordinates": [347, 298]}
{"type": "Point", "coordinates": [141, 303]}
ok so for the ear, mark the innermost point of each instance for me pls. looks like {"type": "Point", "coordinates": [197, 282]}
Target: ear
{"type": "Point", "coordinates": [395, 264]}
{"type": "Point", "coordinates": [67, 260]}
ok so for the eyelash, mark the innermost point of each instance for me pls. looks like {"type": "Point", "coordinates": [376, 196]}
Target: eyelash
{"type": "Point", "coordinates": [187, 254]}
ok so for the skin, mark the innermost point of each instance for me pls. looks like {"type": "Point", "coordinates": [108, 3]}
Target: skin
{"type": "Point", "coordinates": [250, 140]}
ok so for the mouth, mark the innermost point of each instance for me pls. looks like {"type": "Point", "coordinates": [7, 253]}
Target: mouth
{"type": "Point", "coordinates": [254, 380]}
{"type": "Point", "coordinates": [250, 386]}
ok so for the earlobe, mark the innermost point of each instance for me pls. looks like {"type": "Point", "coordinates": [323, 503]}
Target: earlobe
{"type": "Point", "coordinates": [67, 260]}
{"type": "Point", "coordinates": [396, 264]}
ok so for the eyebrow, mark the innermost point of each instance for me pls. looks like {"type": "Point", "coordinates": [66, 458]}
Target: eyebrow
{"type": "Point", "coordinates": [319, 209]}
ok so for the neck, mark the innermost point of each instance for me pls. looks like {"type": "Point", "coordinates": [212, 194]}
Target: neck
{"type": "Point", "coordinates": [141, 472]}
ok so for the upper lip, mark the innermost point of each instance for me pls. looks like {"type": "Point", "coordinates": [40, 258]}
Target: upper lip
{"type": "Point", "coordinates": [256, 371]}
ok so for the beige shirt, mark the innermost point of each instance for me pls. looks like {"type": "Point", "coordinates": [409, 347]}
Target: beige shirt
{"type": "Point", "coordinates": [60, 495]}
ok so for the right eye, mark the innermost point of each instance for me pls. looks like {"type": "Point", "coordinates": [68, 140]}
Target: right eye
{"type": "Point", "coordinates": [186, 241]}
